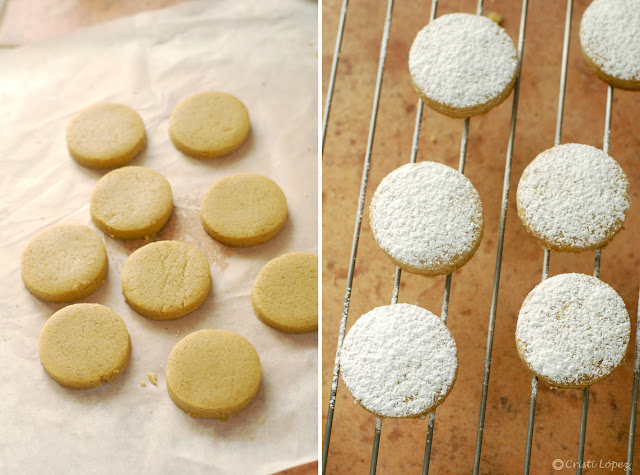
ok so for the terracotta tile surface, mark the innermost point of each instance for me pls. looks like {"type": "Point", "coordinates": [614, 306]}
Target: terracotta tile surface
{"type": "Point", "coordinates": [557, 420]}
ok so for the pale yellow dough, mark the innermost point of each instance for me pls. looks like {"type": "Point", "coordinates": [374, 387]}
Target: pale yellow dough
{"type": "Point", "coordinates": [243, 210]}
{"type": "Point", "coordinates": [285, 294]}
{"type": "Point", "coordinates": [213, 373]}
{"type": "Point", "coordinates": [166, 280]}
{"type": "Point", "coordinates": [209, 124]}
{"type": "Point", "coordinates": [131, 203]}
{"type": "Point", "coordinates": [84, 345]}
{"type": "Point", "coordinates": [105, 135]}
{"type": "Point", "coordinates": [64, 263]}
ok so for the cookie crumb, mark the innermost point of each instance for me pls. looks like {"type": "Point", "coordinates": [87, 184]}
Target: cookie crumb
{"type": "Point", "coordinates": [251, 437]}
{"type": "Point", "coordinates": [143, 384]}
{"type": "Point", "coordinates": [261, 420]}
{"type": "Point", "coordinates": [496, 17]}
{"type": "Point", "coordinates": [177, 332]}
{"type": "Point", "coordinates": [153, 378]}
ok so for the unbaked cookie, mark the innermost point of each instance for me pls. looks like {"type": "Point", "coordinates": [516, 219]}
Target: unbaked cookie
{"type": "Point", "coordinates": [84, 345]}
{"type": "Point", "coordinates": [166, 280]}
{"type": "Point", "coordinates": [285, 294]}
{"type": "Point", "coordinates": [427, 218]}
{"type": "Point", "coordinates": [573, 197]}
{"type": "Point", "coordinates": [213, 373]}
{"type": "Point", "coordinates": [243, 210]}
{"type": "Point", "coordinates": [64, 263]}
{"type": "Point", "coordinates": [105, 135]}
{"type": "Point", "coordinates": [609, 32]}
{"type": "Point", "coordinates": [572, 330]}
{"type": "Point", "coordinates": [463, 65]}
{"type": "Point", "coordinates": [399, 361]}
{"type": "Point", "coordinates": [131, 203]}
{"type": "Point", "coordinates": [209, 124]}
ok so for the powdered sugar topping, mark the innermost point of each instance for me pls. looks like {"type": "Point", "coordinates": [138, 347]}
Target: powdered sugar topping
{"type": "Point", "coordinates": [462, 60]}
{"type": "Point", "coordinates": [399, 361]}
{"type": "Point", "coordinates": [572, 330]}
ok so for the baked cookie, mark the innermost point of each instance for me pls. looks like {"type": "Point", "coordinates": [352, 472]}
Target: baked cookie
{"type": "Point", "coordinates": [64, 263]}
{"type": "Point", "coordinates": [399, 361]}
{"type": "Point", "coordinates": [572, 330]}
{"type": "Point", "coordinates": [84, 345]}
{"type": "Point", "coordinates": [427, 217]}
{"type": "Point", "coordinates": [213, 373]}
{"type": "Point", "coordinates": [609, 32]}
{"type": "Point", "coordinates": [463, 65]}
{"type": "Point", "coordinates": [105, 135]}
{"type": "Point", "coordinates": [573, 197]}
{"type": "Point", "coordinates": [131, 203]}
{"type": "Point", "coordinates": [243, 210]}
{"type": "Point", "coordinates": [209, 124]}
{"type": "Point", "coordinates": [285, 294]}
{"type": "Point", "coordinates": [166, 280]}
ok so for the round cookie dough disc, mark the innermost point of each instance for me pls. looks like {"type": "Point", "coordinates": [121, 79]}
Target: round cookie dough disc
{"type": "Point", "coordinates": [64, 263]}
{"type": "Point", "coordinates": [105, 135]}
{"type": "Point", "coordinates": [131, 203]}
{"type": "Point", "coordinates": [213, 373]}
{"type": "Point", "coordinates": [209, 124]}
{"type": "Point", "coordinates": [166, 280]}
{"type": "Point", "coordinates": [243, 210]}
{"type": "Point", "coordinates": [399, 361]}
{"type": "Point", "coordinates": [84, 345]}
{"type": "Point", "coordinates": [285, 294]}
{"type": "Point", "coordinates": [572, 330]}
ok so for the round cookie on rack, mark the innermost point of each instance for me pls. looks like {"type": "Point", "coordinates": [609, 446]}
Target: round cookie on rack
{"type": "Point", "coordinates": [573, 197]}
{"type": "Point", "coordinates": [463, 65]}
{"type": "Point", "coordinates": [399, 361]}
{"type": "Point", "coordinates": [105, 135]}
{"type": "Point", "coordinates": [427, 218]}
{"type": "Point", "coordinates": [609, 32]}
{"type": "Point", "coordinates": [572, 330]}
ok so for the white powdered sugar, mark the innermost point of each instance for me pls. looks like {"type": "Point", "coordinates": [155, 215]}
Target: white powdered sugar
{"type": "Point", "coordinates": [572, 330]}
{"type": "Point", "coordinates": [399, 361]}
{"type": "Point", "coordinates": [573, 197]}
{"type": "Point", "coordinates": [462, 60]}
{"type": "Point", "coordinates": [610, 37]}
{"type": "Point", "coordinates": [427, 216]}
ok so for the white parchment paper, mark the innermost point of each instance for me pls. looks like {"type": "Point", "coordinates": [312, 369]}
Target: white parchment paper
{"type": "Point", "coordinates": [265, 53]}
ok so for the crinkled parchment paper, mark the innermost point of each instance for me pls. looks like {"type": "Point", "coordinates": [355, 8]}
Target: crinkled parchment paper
{"type": "Point", "coordinates": [263, 52]}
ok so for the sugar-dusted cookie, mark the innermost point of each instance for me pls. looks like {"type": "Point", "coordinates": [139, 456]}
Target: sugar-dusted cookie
{"type": "Point", "coordinates": [166, 280]}
{"type": "Point", "coordinates": [573, 197]}
{"type": "Point", "coordinates": [572, 330]}
{"type": "Point", "coordinates": [285, 293]}
{"type": "Point", "coordinates": [463, 65]}
{"type": "Point", "coordinates": [64, 263]}
{"type": "Point", "coordinates": [209, 124]}
{"type": "Point", "coordinates": [105, 135]}
{"type": "Point", "coordinates": [427, 218]}
{"type": "Point", "coordinates": [243, 210]}
{"type": "Point", "coordinates": [131, 203]}
{"type": "Point", "coordinates": [609, 32]}
{"type": "Point", "coordinates": [213, 373]}
{"type": "Point", "coordinates": [399, 361]}
{"type": "Point", "coordinates": [84, 345]}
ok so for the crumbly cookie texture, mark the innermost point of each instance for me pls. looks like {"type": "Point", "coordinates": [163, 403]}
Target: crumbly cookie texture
{"type": "Point", "coordinates": [64, 263]}
{"type": "Point", "coordinates": [463, 65]}
{"type": "Point", "coordinates": [209, 124]}
{"type": "Point", "coordinates": [105, 135]}
{"type": "Point", "coordinates": [399, 361]}
{"type": "Point", "coordinates": [131, 203]}
{"type": "Point", "coordinates": [243, 210]}
{"type": "Point", "coordinates": [573, 197]}
{"type": "Point", "coordinates": [285, 293]}
{"type": "Point", "coordinates": [427, 218]}
{"type": "Point", "coordinates": [166, 280]}
{"type": "Point", "coordinates": [572, 330]}
{"type": "Point", "coordinates": [213, 373]}
{"type": "Point", "coordinates": [84, 345]}
{"type": "Point", "coordinates": [609, 32]}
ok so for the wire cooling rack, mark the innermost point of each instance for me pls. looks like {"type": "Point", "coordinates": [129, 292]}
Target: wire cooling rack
{"type": "Point", "coordinates": [501, 233]}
